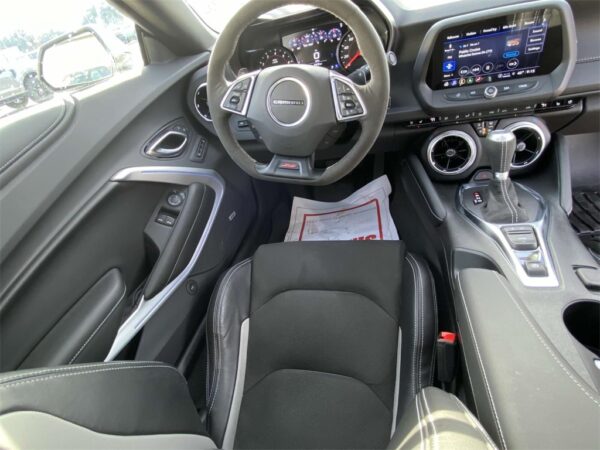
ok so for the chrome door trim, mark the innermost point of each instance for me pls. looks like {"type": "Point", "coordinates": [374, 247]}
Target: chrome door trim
{"type": "Point", "coordinates": [170, 175]}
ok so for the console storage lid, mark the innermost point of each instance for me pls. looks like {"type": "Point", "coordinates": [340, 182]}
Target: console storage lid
{"type": "Point", "coordinates": [526, 394]}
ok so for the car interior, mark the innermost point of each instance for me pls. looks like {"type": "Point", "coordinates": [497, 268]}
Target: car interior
{"type": "Point", "coordinates": [150, 297]}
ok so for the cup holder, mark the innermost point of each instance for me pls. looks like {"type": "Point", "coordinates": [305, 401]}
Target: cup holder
{"type": "Point", "coordinates": [582, 319]}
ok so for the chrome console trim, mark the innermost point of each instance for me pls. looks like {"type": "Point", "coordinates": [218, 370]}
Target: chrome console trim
{"type": "Point", "coordinates": [146, 308]}
{"type": "Point", "coordinates": [539, 225]}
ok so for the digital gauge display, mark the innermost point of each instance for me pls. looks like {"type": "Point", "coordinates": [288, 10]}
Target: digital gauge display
{"type": "Point", "coordinates": [317, 46]}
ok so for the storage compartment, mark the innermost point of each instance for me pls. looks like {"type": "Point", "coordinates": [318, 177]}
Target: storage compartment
{"type": "Point", "coordinates": [583, 322]}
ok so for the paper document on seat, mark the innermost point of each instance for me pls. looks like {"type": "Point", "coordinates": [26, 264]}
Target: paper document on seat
{"type": "Point", "coordinates": [365, 215]}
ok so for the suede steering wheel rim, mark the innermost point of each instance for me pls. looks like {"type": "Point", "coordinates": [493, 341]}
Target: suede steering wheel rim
{"type": "Point", "coordinates": [288, 105]}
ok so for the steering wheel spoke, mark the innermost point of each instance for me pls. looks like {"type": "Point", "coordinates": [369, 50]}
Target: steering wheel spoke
{"type": "Point", "coordinates": [237, 98]}
{"type": "Point", "coordinates": [347, 99]}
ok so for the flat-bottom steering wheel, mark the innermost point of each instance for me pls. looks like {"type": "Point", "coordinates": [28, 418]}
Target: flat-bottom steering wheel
{"type": "Point", "coordinates": [293, 107]}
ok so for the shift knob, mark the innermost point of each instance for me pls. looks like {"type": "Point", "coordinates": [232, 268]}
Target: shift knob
{"type": "Point", "coordinates": [500, 146]}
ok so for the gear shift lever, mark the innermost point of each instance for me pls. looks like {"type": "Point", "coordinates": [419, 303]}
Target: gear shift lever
{"type": "Point", "coordinates": [503, 204]}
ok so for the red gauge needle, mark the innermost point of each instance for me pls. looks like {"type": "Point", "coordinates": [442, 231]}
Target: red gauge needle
{"type": "Point", "coordinates": [354, 58]}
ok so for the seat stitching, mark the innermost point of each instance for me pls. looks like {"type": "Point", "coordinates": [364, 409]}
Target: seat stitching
{"type": "Point", "coordinates": [419, 303]}
{"type": "Point", "coordinates": [68, 368]}
{"type": "Point", "coordinates": [318, 372]}
{"type": "Point", "coordinates": [481, 367]}
{"type": "Point", "coordinates": [423, 420]}
{"type": "Point", "coordinates": [414, 355]}
{"type": "Point", "coordinates": [325, 290]}
{"type": "Point", "coordinates": [422, 444]}
{"type": "Point", "coordinates": [83, 372]}
{"type": "Point", "coordinates": [473, 420]}
{"type": "Point", "coordinates": [221, 302]}
{"type": "Point", "coordinates": [435, 324]}
{"type": "Point", "coordinates": [432, 420]}
{"type": "Point", "coordinates": [99, 326]}
{"type": "Point", "coordinates": [539, 337]}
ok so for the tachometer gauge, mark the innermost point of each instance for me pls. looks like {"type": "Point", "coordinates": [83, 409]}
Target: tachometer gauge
{"type": "Point", "coordinates": [335, 34]}
{"type": "Point", "coordinates": [349, 54]}
{"type": "Point", "coordinates": [296, 44]}
{"type": "Point", "coordinates": [276, 57]}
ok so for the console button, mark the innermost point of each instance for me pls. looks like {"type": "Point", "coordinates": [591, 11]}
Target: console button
{"type": "Point", "coordinates": [535, 269]}
{"type": "Point", "coordinates": [505, 89]}
{"type": "Point", "coordinates": [461, 95]}
{"type": "Point", "coordinates": [521, 237]}
{"type": "Point", "coordinates": [490, 92]}
{"type": "Point", "coordinates": [524, 86]}
{"type": "Point", "coordinates": [476, 93]}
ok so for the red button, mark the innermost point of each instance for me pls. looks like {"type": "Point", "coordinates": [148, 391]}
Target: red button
{"type": "Point", "coordinates": [289, 165]}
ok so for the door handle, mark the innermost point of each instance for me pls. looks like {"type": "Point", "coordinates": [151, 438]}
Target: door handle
{"type": "Point", "coordinates": [168, 145]}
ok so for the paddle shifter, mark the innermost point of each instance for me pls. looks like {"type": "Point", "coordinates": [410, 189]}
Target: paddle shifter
{"type": "Point", "coordinates": [502, 203]}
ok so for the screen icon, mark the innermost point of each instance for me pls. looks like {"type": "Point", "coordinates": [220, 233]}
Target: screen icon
{"type": "Point", "coordinates": [512, 63]}
{"type": "Point", "coordinates": [449, 66]}
{"type": "Point", "coordinates": [488, 67]}
{"type": "Point", "coordinates": [463, 71]}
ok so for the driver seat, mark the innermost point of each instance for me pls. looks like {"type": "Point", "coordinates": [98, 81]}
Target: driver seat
{"type": "Point", "coordinates": [319, 345]}
{"type": "Point", "coordinates": [310, 345]}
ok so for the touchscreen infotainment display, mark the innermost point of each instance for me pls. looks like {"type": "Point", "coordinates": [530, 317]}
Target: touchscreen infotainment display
{"type": "Point", "coordinates": [516, 46]}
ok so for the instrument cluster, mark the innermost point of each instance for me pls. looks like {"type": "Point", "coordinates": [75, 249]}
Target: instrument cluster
{"type": "Point", "coordinates": [332, 46]}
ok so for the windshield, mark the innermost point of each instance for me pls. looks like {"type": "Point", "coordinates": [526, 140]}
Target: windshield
{"type": "Point", "coordinates": [216, 13]}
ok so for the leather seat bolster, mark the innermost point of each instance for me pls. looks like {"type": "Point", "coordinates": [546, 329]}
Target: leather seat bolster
{"type": "Point", "coordinates": [437, 419]}
{"type": "Point", "coordinates": [120, 398]}
{"type": "Point", "coordinates": [229, 307]}
{"type": "Point", "coordinates": [418, 322]}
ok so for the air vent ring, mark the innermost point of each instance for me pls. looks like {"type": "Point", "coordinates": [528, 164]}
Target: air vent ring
{"type": "Point", "coordinates": [531, 143]}
{"type": "Point", "coordinates": [452, 152]}
{"type": "Point", "coordinates": [201, 102]}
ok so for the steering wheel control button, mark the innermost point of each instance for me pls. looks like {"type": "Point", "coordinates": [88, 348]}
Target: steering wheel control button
{"type": "Point", "coordinates": [238, 96]}
{"type": "Point", "coordinates": [288, 102]}
{"type": "Point", "coordinates": [490, 92]}
{"type": "Point", "coordinates": [348, 105]}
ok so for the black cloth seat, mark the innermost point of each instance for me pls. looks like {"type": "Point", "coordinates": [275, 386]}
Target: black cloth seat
{"type": "Point", "coordinates": [311, 345]}
{"type": "Point", "coordinates": [319, 345]}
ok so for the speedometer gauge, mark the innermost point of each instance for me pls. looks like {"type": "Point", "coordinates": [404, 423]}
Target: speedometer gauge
{"type": "Point", "coordinates": [276, 57]}
{"type": "Point", "coordinates": [349, 54]}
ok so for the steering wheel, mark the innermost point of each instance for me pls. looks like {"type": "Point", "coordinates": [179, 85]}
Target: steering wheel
{"type": "Point", "coordinates": [293, 107]}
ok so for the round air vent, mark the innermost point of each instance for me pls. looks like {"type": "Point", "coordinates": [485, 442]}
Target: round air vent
{"type": "Point", "coordinates": [201, 102]}
{"type": "Point", "coordinates": [530, 143]}
{"type": "Point", "coordinates": [451, 152]}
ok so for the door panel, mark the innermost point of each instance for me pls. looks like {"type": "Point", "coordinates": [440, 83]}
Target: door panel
{"type": "Point", "coordinates": [76, 242]}
{"type": "Point", "coordinates": [86, 330]}
{"type": "Point", "coordinates": [111, 237]}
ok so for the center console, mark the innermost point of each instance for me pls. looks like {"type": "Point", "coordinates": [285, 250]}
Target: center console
{"type": "Point", "coordinates": [525, 291]}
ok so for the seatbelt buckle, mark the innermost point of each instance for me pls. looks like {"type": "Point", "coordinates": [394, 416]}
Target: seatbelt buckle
{"type": "Point", "coordinates": [446, 356]}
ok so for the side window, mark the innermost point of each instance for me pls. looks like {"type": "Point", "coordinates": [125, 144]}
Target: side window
{"type": "Point", "coordinates": [61, 45]}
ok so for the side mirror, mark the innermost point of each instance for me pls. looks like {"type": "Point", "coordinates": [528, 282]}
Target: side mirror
{"type": "Point", "coordinates": [77, 59]}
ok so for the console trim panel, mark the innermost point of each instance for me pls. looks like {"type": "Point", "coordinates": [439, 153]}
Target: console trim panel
{"type": "Point", "coordinates": [539, 225]}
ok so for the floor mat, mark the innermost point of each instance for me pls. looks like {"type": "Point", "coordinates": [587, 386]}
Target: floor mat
{"type": "Point", "coordinates": [585, 219]}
